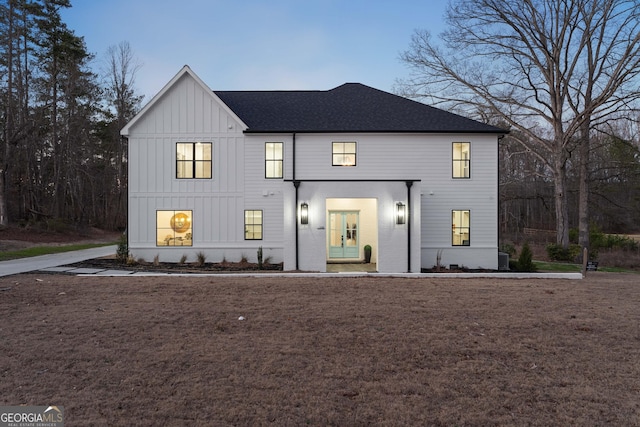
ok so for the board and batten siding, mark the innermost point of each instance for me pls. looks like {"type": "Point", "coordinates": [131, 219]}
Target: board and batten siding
{"type": "Point", "coordinates": [187, 112]}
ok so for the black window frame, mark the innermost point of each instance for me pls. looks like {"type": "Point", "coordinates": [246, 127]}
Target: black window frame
{"type": "Point", "coordinates": [268, 161]}
{"type": "Point", "coordinates": [169, 229]}
{"type": "Point", "coordinates": [252, 226]}
{"type": "Point", "coordinates": [460, 229]}
{"type": "Point", "coordinates": [344, 153]}
{"type": "Point", "coordinates": [194, 161]}
{"type": "Point", "coordinates": [460, 161]}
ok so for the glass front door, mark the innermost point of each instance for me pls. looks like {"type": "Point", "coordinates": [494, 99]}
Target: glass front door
{"type": "Point", "coordinates": [343, 235]}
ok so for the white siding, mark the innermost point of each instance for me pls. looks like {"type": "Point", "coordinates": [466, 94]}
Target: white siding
{"type": "Point", "coordinates": [427, 159]}
{"type": "Point", "coordinates": [262, 193]}
{"type": "Point", "coordinates": [188, 112]}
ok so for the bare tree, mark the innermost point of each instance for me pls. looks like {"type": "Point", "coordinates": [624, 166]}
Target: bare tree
{"type": "Point", "coordinates": [119, 74]}
{"type": "Point", "coordinates": [554, 70]}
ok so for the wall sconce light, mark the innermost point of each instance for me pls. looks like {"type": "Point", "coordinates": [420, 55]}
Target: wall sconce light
{"type": "Point", "coordinates": [400, 213]}
{"type": "Point", "coordinates": [304, 213]}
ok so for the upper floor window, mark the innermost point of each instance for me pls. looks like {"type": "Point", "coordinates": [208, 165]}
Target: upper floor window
{"type": "Point", "coordinates": [344, 154]}
{"type": "Point", "coordinates": [461, 159]}
{"type": "Point", "coordinates": [460, 228]}
{"type": "Point", "coordinates": [253, 225]}
{"type": "Point", "coordinates": [273, 159]}
{"type": "Point", "coordinates": [193, 160]}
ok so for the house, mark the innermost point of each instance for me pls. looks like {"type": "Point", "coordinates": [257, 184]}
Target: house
{"type": "Point", "coordinates": [311, 177]}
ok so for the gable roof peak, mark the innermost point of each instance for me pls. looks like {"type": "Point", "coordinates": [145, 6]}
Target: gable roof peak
{"type": "Point", "coordinates": [185, 70]}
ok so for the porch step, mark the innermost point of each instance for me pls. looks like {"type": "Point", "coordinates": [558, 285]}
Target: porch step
{"type": "Point", "coordinates": [345, 261]}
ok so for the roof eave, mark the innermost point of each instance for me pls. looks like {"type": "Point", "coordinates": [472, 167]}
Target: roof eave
{"type": "Point", "coordinates": [273, 131]}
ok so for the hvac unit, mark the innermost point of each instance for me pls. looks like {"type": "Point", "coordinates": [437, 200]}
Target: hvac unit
{"type": "Point", "coordinates": [503, 261]}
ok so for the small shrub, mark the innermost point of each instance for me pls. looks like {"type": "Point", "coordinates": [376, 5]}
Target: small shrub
{"type": "Point", "coordinates": [183, 259]}
{"type": "Point", "coordinates": [156, 260]}
{"type": "Point", "coordinates": [599, 240]}
{"type": "Point", "coordinates": [260, 257]}
{"type": "Point", "coordinates": [613, 241]}
{"type": "Point", "coordinates": [573, 235]}
{"type": "Point", "coordinates": [131, 260]}
{"type": "Point", "coordinates": [244, 259]}
{"type": "Point", "coordinates": [438, 265]}
{"type": "Point", "coordinates": [122, 253]}
{"type": "Point", "coordinates": [525, 260]}
{"type": "Point", "coordinates": [508, 248]}
{"type": "Point", "coordinates": [201, 259]}
{"type": "Point", "coordinates": [558, 253]}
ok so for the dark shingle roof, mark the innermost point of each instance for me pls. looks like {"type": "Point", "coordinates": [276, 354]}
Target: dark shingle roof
{"type": "Point", "coordinates": [352, 107]}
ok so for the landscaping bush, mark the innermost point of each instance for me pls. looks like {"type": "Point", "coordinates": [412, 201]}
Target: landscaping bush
{"type": "Point", "coordinates": [597, 241]}
{"type": "Point", "coordinates": [558, 253]}
{"type": "Point", "coordinates": [508, 248]}
{"type": "Point", "coordinates": [613, 241]}
{"type": "Point", "coordinates": [122, 253]}
{"type": "Point", "coordinates": [525, 260]}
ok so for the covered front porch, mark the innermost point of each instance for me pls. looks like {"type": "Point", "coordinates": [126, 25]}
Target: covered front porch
{"type": "Point", "coordinates": [335, 220]}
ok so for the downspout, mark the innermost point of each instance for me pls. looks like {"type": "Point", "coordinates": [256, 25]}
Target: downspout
{"type": "Point", "coordinates": [498, 201]}
{"type": "Point", "coordinates": [293, 161]}
{"type": "Point", "coordinates": [296, 184]}
{"type": "Point", "coordinates": [409, 184]}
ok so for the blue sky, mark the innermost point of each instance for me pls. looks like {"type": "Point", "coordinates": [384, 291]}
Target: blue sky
{"type": "Point", "coordinates": [258, 44]}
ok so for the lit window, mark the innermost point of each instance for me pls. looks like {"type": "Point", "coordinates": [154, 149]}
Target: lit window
{"type": "Point", "coordinates": [461, 159]}
{"type": "Point", "coordinates": [193, 160]}
{"type": "Point", "coordinates": [273, 160]}
{"type": "Point", "coordinates": [460, 228]}
{"type": "Point", "coordinates": [174, 228]}
{"type": "Point", "coordinates": [252, 225]}
{"type": "Point", "coordinates": [344, 154]}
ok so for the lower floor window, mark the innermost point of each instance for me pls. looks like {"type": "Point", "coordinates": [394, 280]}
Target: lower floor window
{"type": "Point", "coordinates": [460, 228]}
{"type": "Point", "coordinates": [174, 228]}
{"type": "Point", "coordinates": [252, 225]}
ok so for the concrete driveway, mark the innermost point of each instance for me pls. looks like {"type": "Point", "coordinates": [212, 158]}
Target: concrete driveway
{"type": "Point", "coordinates": [24, 265]}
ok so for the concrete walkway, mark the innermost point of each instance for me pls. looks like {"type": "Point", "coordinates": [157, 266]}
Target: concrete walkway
{"type": "Point", "coordinates": [43, 262]}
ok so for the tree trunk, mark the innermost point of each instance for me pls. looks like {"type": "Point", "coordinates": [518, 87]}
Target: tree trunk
{"type": "Point", "coordinates": [583, 201]}
{"type": "Point", "coordinates": [8, 125]}
{"type": "Point", "coordinates": [561, 204]}
{"type": "Point", "coordinates": [4, 218]}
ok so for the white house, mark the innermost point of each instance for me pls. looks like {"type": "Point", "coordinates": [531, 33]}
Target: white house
{"type": "Point", "coordinates": [311, 177]}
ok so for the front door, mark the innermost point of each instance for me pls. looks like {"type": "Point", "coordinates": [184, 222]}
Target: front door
{"type": "Point", "coordinates": [343, 235]}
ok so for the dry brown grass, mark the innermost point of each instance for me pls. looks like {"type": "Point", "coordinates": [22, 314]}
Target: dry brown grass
{"type": "Point", "coordinates": [316, 351]}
